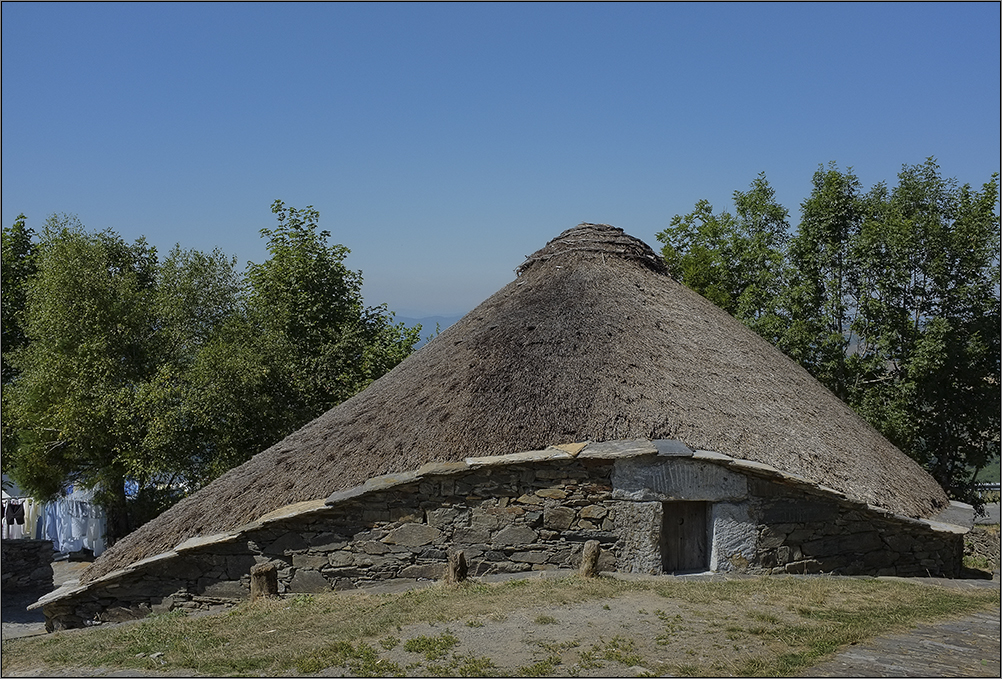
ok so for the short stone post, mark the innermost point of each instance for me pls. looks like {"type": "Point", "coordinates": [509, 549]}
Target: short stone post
{"type": "Point", "coordinates": [457, 570]}
{"type": "Point", "coordinates": [589, 559]}
{"type": "Point", "coordinates": [264, 580]}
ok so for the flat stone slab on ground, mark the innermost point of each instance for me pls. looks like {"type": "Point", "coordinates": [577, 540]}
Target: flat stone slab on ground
{"type": "Point", "coordinates": [962, 647]}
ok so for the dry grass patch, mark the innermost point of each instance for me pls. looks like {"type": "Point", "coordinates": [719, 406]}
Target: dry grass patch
{"type": "Point", "coordinates": [571, 626]}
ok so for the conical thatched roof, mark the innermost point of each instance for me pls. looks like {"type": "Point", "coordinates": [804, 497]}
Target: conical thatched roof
{"type": "Point", "coordinates": [592, 341]}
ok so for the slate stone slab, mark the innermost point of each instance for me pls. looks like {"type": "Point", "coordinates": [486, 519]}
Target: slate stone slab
{"type": "Point", "coordinates": [672, 448]}
{"type": "Point", "coordinates": [617, 449]}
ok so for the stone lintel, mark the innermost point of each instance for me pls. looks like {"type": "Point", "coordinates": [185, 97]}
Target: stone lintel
{"type": "Point", "coordinates": [618, 449]}
{"type": "Point", "coordinates": [515, 458]}
{"type": "Point", "coordinates": [672, 448]}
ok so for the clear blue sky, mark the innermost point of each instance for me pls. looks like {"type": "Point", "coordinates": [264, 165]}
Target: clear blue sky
{"type": "Point", "coordinates": [443, 142]}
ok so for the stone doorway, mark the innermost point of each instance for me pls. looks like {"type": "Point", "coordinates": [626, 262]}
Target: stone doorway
{"type": "Point", "coordinates": [684, 537]}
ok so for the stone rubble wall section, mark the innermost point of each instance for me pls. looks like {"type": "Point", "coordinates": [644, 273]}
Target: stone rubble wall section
{"type": "Point", "coordinates": [524, 512]}
{"type": "Point", "coordinates": [805, 532]}
{"type": "Point", "coordinates": [27, 565]}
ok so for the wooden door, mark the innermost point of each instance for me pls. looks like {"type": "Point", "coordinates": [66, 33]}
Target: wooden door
{"type": "Point", "coordinates": [684, 537]}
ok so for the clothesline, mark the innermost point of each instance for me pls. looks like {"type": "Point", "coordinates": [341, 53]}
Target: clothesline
{"type": "Point", "coordinates": [72, 522]}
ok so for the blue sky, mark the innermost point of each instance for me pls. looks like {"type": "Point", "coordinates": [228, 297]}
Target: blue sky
{"type": "Point", "coordinates": [444, 142]}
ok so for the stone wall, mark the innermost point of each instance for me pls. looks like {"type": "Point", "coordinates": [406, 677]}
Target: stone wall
{"type": "Point", "coordinates": [804, 532]}
{"type": "Point", "coordinates": [27, 565]}
{"type": "Point", "coordinates": [767, 522]}
{"type": "Point", "coordinates": [982, 543]}
{"type": "Point", "coordinates": [527, 512]}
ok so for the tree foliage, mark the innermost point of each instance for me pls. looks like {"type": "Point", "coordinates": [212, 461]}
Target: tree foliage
{"type": "Point", "coordinates": [87, 322]}
{"type": "Point", "coordinates": [168, 374]}
{"type": "Point", "coordinates": [890, 297]}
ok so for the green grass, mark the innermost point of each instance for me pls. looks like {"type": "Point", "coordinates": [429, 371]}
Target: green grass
{"type": "Point", "coordinates": [794, 622]}
{"type": "Point", "coordinates": [433, 648]}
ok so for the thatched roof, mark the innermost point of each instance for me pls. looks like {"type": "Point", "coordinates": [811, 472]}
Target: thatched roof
{"type": "Point", "coordinates": [592, 341]}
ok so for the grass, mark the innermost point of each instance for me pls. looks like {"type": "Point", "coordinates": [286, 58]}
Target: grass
{"type": "Point", "coordinates": [776, 626]}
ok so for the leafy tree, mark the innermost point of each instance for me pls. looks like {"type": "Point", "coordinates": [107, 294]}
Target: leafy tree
{"type": "Point", "coordinates": [823, 278]}
{"type": "Point", "coordinates": [18, 268]}
{"type": "Point", "coordinates": [889, 297]}
{"type": "Point", "coordinates": [293, 343]}
{"type": "Point", "coordinates": [306, 306]}
{"type": "Point", "coordinates": [169, 374]}
{"type": "Point", "coordinates": [197, 295]}
{"type": "Point", "coordinates": [925, 369]}
{"type": "Point", "coordinates": [735, 261]}
{"type": "Point", "coordinates": [88, 323]}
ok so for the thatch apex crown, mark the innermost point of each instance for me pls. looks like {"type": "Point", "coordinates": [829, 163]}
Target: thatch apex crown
{"type": "Point", "coordinates": [593, 240]}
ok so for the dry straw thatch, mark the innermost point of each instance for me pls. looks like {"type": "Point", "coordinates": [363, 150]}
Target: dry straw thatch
{"type": "Point", "coordinates": [592, 341]}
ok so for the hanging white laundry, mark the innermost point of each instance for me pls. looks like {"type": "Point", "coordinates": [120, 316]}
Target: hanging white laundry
{"type": "Point", "coordinates": [64, 518]}
{"type": "Point", "coordinates": [96, 524]}
{"type": "Point", "coordinates": [78, 520]}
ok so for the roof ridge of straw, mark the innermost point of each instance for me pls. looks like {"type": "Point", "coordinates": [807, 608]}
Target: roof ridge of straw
{"type": "Point", "coordinates": [601, 239]}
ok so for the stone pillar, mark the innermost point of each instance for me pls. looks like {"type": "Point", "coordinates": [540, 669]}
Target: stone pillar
{"type": "Point", "coordinates": [589, 559]}
{"type": "Point", "coordinates": [457, 570]}
{"type": "Point", "coordinates": [264, 581]}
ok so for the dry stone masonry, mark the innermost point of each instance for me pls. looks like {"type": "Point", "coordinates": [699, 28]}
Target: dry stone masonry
{"type": "Point", "coordinates": [27, 565]}
{"type": "Point", "coordinates": [651, 506]}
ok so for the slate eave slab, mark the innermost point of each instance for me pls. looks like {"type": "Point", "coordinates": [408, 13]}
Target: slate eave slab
{"type": "Point", "coordinates": [442, 468]}
{"type": "Point", "coordinates": [711, 456]}
{"type": "Point", "coordinates": [68, 589]}
{"type": "Point", "coordinates": [203, 540]}
{"type": "Point", "coordinates": [572, 448]}
{"type": "Point", "coordinates": [672, 448]}
{"type": "Point", "coordinates": [346, 494]}
{"type": "Point", "coordinates": [289, 511]}
{"type": "Point", "coordinates": [958, 514]}
{"type": "Point", "coordinates": [606, 450]}
{"type": "Point", "coordinates": [756, 467]}
{"type": "Point", "coordinates": [516, 458]}
{"type": "Point", "coordinates": [941, 527]}
{"type": "Point", "coordinates": [387, 481]}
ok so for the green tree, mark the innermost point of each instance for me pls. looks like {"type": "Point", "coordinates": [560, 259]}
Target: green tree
{"type": "Point", "coordinates": [87, 321]}
{"type": "Point", "coordinates": [926, 363]}
{"type": "Point", "coordinates": [197, 296]}
{"type": "Point", "coordinates": [322, 344]}
{"type": "Point", "coordinates": [167, 375]}
{"type": "Point", "coordinates": [735, 261]}
{"type": "Point", "coordinates": [889, 297]}
{"type": "Point", "coordinates": [295, 342]}
{"type": "Point", "coordinates": [824, 279]}
{"type": "Point", "coordinates": [18, 264]}
{"type": "Point", "coordinates": [18, 268]}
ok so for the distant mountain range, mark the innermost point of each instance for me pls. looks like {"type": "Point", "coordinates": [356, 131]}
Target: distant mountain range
{"type": "Point", "coordinates": [427, 324]}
